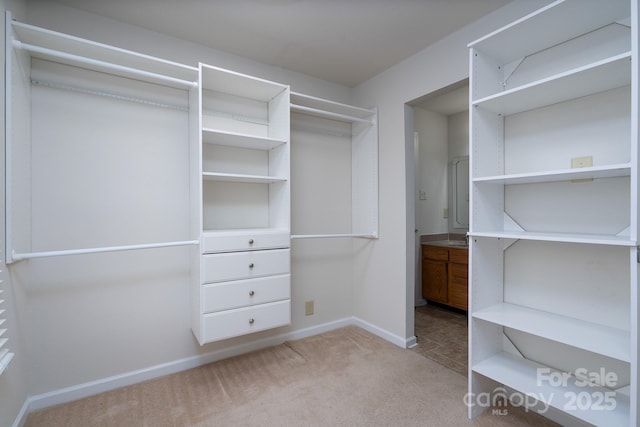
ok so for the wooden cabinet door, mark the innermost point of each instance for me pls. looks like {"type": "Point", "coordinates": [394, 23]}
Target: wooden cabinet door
{"type": "Point", "coordinates": [434, 280]}
{"type": "Point", "coordinates": [457, 293]}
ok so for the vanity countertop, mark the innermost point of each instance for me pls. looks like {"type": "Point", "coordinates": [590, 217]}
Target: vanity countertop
{"type": "Point", "coordinates": [462, 244]}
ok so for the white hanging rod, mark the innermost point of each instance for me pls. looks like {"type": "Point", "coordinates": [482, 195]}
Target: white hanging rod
{"type": "Point", "coordinates": [325, 113]}
{"type": "Point", "coordinates": [102, 64]}
{"type": "Point", "coordinates": [332, 236]}
{"type": "Point", "coordinates": [20, 256]}
{"type": "Point", "coordinates": [108, 95]}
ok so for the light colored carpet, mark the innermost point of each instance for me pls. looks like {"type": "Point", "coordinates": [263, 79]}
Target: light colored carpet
{"type": "Point", "coordinates": [346, 377]}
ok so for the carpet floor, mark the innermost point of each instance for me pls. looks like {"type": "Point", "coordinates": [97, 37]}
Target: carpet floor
{"type": "Point", "coordinates": [346, 377]}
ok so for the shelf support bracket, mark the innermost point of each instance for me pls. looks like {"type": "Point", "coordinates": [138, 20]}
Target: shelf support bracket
{"type": "Point", "coordinates": [508, 71]}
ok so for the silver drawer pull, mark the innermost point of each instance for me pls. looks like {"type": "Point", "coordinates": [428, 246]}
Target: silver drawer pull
{"type": "Point", "coordinates": [251, 321]}
{"type": "Point", "coordinates": [251, 241]}
{"type": "Point", "coordinates": [251, 293]}
{"type": "Point", "coordinates": [251, 265]}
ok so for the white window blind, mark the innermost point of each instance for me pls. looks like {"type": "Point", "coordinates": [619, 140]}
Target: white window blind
{"type": "Point", "coordinates": [5, 354]}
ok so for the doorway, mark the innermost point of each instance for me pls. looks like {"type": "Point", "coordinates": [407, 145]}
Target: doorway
{"type": "Point", "coordinates": [441, 147]}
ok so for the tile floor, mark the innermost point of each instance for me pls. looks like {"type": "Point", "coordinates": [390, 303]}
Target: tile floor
{"type": "Point", "coordinates": [442, 336]}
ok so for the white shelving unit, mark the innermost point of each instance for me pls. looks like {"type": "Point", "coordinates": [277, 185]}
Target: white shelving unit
{"type": "Point", "coordinates": [553, 254]}
{"type": "Point", "coordinates": [244, 209]}
{"type": "Point", "coordinates": [362, 126]}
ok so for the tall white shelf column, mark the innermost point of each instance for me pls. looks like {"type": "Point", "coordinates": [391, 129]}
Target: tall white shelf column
{"type": "Point", "coordinates": [554, 212]}
{"type": "Point", "coordinates": [241, 279]}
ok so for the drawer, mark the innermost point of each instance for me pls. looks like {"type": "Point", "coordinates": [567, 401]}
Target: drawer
{"type": "Point", "coordinates": [244, 265]}
{"type": "Point", "coordinates": [459, 255]}
{"type": "Point", "coordinates": [458, 270]}
{"type": "Point", "coordinates": [435, 252]}
{"type": "Point", "coordinates": [243, 293]}
{"type": "Point", "coordinates": [241, 321]}
{"type": "Point", "coordinates": [230, 241]}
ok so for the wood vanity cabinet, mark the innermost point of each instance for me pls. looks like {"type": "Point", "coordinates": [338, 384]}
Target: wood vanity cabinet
{"type": "Point", "coordinates": [444, 275]}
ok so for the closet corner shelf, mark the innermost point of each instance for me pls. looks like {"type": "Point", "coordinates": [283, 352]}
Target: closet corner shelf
{"type": "Point", "coordinates": [593, 239]}
{"type": "Point", "coordinates": [607, 171]}
{"type": "Point", "coordinates": [241, 178]}
{"type": "Point", "coordinates": [590, 79]}
{"type": "Point", "coordinates": [240, 140]}
{"type": "Point", "coordinates": [500, 45]}
{"type": "Point", "coordinates": [605, 340]}
{"type": "Point", "coordinates": [522, 375]}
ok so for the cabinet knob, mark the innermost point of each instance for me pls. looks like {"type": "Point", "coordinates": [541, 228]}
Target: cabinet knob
{"type": "Point", "coordinates": [251, 321]}
{"type": "Point", "coordinates": [251, 293]}
{"type": "Point", "coordinates": [251, 265]}
{"type": "Point", "coordinates": [251, 241]}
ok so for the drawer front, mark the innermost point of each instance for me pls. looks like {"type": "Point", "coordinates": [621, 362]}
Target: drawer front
{"type": "Point", "coordinates": [457, 293]}
{"type": "Point", "coordinates": [244, 265]}
{"type": "Point", "coordinates": [459, 255]}
{"type": "Point", "coordinates": [458, 270]}
{"type": "Point", "coordinates": [435, 252]}
{"type": "Point", "coordinates": [243, 293]}
{"type": "Point", "coordinates": [241, 321]}
{"type": "Point", "coordinates": [254, 240]}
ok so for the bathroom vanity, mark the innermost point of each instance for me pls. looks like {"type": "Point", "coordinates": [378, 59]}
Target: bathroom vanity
{"type": "Point", "coordinates": [444, 272]}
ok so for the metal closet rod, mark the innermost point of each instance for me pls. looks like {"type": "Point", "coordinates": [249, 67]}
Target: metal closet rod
{"type": "Point", "coordinates": [20, 256]}
{"type": "Point", "coordinates": [334, 236]}
{"type": "Point", "coordinates": [106, 65]}
{"type": "Point", "coordinates": [303, 109]}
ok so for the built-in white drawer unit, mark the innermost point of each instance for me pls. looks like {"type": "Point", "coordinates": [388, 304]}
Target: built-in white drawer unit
{"type": "Point", "coordinates": [244, 265]}
{"type": "Point", "coordinates": [241, 321]}
{"type": "Point", "coordinates": [243, 293]}
{"type": "Point", "coordinates": [248, 240]}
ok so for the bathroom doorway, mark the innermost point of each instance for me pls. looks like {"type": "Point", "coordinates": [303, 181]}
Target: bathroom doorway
{"type": "Point", "coordinates": [441, 152]}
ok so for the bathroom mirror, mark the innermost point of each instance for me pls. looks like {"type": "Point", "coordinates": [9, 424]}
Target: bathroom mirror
{"type": "Point", "coordinates": [459, 195]}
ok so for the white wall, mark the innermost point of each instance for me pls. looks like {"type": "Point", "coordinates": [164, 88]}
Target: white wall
{"type": "Point", "coordinates": [433, 155]}
{"type": "Point", "coordinates": [386, 287]}
{"type": "Point", "coordinates": [458, 134]}
{"type": "Point", "coordinates": [13, 382]}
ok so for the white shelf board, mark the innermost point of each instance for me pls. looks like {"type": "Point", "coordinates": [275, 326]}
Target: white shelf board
{"type": "Point", "coordinates": [597, 77]}
{"type": "Point", "coordinates": [588, 336]}
{"type": "Point", "coordinates": [240, 140]}
{"type": "Point", "coordinates": [232, 177]}
{"type": "Point", "coordinates": [338, 108]}
{"type": "Point", "coordinates": [71, 45]}
{"type": "Point", "coordinates": [522, 375]}
{"type": "Point", "coordinates": [595, 172]}
{"type": "Point", "coordinates": [593, 239]}
{"type": "Point", "coordinates": [223, 232]}
{"type": "Point", "coordinates": [242, 85]}
{"type": "Point", "coordinates": [561, 20]}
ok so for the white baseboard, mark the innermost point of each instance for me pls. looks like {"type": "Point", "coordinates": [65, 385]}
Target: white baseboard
{"type": "Point", "coordinates": [80, 391]}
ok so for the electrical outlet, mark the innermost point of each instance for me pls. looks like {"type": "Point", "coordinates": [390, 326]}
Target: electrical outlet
{"type": "Point", "coordinates": [308, 308]}
{"type": "Point", "coordinates": [582, 162]}
{"type": "Point", "coordinates": [422, 195]}
{"type": "Point", "coordinates": [445, 213]}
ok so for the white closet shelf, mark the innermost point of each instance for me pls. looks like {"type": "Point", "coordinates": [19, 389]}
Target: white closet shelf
{"type": "Point", "coordinates": [577, 333]}
{"type": "Point", "coordinates": [594, 239]}
{"type": "Point", "coordinates": [240, 140]}
{"type": "Point", "coordinates": [331, 109]}
{"type": "Point", "coordinates": [242, 85]}
{"type": "Point", "coordinates": [47, 44]}
{"type": "Point", "coordinates": [233, 177]}
{"type": "Point", "coordinates": [522, 375]}
{"type": "Point", "coordinates": [607, 171]}
{"type": "Point", "coordinates": [500, 45]}
{"type": "Point", "coordinates": [590, 79]}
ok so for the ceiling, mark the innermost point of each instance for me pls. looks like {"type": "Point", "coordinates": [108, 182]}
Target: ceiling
{"type": "Point", "coordinates": [342, 41]}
